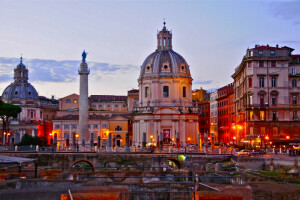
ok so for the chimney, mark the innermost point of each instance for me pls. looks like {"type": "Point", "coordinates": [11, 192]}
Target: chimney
{"type": "Point", "coordinates": [52, 97]}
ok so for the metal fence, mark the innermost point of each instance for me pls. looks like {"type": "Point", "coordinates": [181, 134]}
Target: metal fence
{"type": "Point", "coordinates": [167, 195]}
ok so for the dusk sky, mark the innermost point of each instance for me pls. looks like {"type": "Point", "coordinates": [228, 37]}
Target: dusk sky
{"type": "Point", "coordinates": [118, 35]}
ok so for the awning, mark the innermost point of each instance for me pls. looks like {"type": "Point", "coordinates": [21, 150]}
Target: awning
{"type": "Point", "coordinates": [13, 160]}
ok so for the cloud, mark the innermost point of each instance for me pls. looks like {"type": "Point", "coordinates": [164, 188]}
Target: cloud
{"type": "Point", "coordinates": [287, 10]}
{"type": "Point", "coordinates": [59, 71]}
{"type": "Point", "coordinates": [203, 82]}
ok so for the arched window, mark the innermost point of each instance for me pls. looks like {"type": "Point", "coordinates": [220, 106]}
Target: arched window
{"type": "Point", "coordinates": [184, 92]}
{"type": "Point", "coordinates": [164, 41]}
{"type": "Point", "coordinates": [166, 91]}
{"type": "Point", "coordinates": [118, 128]}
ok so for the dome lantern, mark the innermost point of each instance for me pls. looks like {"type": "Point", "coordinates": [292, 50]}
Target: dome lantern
{"type": "Point", "coordinates": [164, 39]}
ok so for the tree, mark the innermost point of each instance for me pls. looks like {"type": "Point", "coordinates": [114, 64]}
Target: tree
{"type": "Point", "coordinates": [7, 112]}
{"type": "Point", "coordinates": [29, 140]}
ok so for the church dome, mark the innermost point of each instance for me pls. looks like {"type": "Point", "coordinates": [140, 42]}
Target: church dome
{"type": "Point", "coordinates": [20, 88]}
{"type": "Point", "coordinates": [164, 62]}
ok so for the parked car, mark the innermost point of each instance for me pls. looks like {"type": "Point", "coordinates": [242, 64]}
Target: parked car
{"type": "Point", "coordinates": [244, 152]}
{"type": "Point", "coordinates": [255, 152]}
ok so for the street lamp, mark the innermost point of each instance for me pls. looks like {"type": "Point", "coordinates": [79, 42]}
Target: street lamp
{"type": "Point", "coordinates": [151, 137]}
{"type": "Point", "coordinates": [189, 140]}
{"type": "Point", "coordinates": [287, 137]}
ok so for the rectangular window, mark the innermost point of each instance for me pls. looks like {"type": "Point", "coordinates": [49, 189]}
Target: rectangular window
{"type": "Point", "coordinates": [273, 81]}
{"type": "Point", "coordinates": [282, 64]}
{"type": "Point", "coordinates": [274, 115]}
{"type": "Point", "coordinates": [66, 126]}
{"type": "Point", "coordinates": [249, 64]}
{"type": "Point", "coordinates": [250, 53]}
{"type": "Point", "coordinates": [108, 105]}
{"type": "Point", "coordinates": [294, 99]}
{"type": "Point", "coordinates": [262, 101]}
{"type": "Point", "coordinates": [147, 92]}
{"type": "Point", "coordinates": [165, 91]}
{"type": "Point", "coordinates": [262, 115]}
{"type": "Point", "coordinates": [250, 100]}
{"type": "Point", "coordinates": [184, 92]}
{"type": "Point", "coordinates": [116, 105]}
{"type": "Point", "coordinates": [66, 135]}
{"type": "Point", "coordinates": [274, 100]}
{"type": "Point", "coordinates": [272, 53]}
{"type": "Point", "coordinates": [104, 125]}
{"type": "Point", "coordinates": [250, 82]}
{"type": "Point", "coordinates": [94, 106]}
{"type": "Point", "coordinates": [95, 125]}
{"type": "Point", "coordinates": [260, 53]}
{"type": "Point", "coordinates": [74, 126]}
{"type": "Point", "coordinates": [100, 105]}
{"type": "Point", "coordinates": [261, 81]}
{"type": "Point", "coordinates": [294, 83]}
{"type": "Point", "coordinates": [293, 71]}
{"type": "Point", "coordinates": [124, 105]}
{"type": "Point", "coordinates": [56, 126]}
{"type": "Point", "coordinates": [251, 116]}
{"type": "Point", "coordinates": [295, 116]}
{"type": "Point", "coordinates": [89, 126]}
{"type": "Point", "coordinates": [261, 64]}
{"type": "Point", "coordinates": [273, 64]}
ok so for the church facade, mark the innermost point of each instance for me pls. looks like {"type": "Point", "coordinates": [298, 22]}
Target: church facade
{"type": "Point", "coordinates": [165, 114]}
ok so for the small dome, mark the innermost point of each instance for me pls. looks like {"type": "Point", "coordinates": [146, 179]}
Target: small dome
{"type": "Point", "coordinates": [165, 63]}
{"type": "Point", "coordinates": [20, 88]}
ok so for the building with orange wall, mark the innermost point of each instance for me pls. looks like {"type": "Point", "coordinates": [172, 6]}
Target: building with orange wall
{"type": "Point", "coordinates": [226, 117]}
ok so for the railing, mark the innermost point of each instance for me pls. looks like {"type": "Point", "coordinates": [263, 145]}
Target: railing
{"type": "Point", "coordinates": [166, 195]}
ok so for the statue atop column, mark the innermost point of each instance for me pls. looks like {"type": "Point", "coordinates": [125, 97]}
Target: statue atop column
{"type": "Point", "coordinates": [84, 55]}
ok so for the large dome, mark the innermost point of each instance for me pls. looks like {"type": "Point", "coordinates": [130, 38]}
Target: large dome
{"type": "Point", "coordinates": [20, 88]}
{"type": "Point", "coordinates": [165, 62]}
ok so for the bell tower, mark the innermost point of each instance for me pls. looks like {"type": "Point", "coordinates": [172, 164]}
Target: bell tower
{"type": "Point", "coordinates": [164, 39]}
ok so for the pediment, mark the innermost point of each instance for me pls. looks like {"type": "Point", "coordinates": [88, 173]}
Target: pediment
{"type": "Point", "coordinates": [166, 110]}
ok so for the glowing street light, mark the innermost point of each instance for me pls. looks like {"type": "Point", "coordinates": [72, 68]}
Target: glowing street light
{"type": "Point", "coordinates": [77, 136]}
{"type": "Point", "coordinates": [287, 137]}
{"type": "Point", "coordinates": [240, 127]}
{"type": "Point", "coordinates": [267, 137]}
{"type": "Point", "coordinates": [233, 127]}
{"type": "Point", "coordinates": [234, 138]}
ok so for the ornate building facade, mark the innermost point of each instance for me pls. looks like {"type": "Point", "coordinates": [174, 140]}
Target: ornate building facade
{"type": "Point", "coordinates": [165, 113]}
{"type": "Point", "coordinates": [266, 85]}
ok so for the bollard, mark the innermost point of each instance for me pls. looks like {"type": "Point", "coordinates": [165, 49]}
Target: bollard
{"type": "Point", "coordinates": [37, 148]}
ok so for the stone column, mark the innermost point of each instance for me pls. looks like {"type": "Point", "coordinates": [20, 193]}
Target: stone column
{"type": "Point", "coordinates": [83, 102]}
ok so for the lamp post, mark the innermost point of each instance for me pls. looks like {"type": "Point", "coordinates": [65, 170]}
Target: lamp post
{"type": "Point", "coordinates": [151, 137]}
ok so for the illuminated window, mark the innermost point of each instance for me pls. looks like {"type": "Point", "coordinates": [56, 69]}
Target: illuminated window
{"type": "Point", "coordinates": [75, 101]}
{"type": "Point", "coordinates": [262, 115]}
{"type": "Point", "coordinates": [272, 53]}
{"type": "Point", "coordinates": [251, 100]}
{"type": "Point", "coordinates": [251, 116]}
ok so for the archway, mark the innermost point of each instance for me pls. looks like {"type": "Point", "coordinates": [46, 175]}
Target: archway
{"type": "Point", "coordinates": [171, 164]}
{"type": "Point", "coordinates": [85, 165]}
